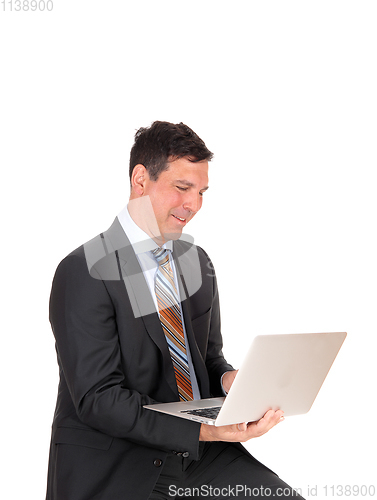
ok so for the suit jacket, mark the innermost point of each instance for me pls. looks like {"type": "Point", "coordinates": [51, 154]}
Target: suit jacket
{"type": "Point", "coordinates": [113, 359]}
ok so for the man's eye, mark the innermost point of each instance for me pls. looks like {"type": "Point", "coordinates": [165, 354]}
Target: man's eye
{"type": "Point", "coordinates": [182, 188]}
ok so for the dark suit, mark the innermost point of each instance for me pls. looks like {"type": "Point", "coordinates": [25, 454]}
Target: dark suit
{"type": "Point", "coordinates": [112, 362]}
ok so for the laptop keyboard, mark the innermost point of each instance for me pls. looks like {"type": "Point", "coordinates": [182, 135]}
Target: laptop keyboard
{"type": "Point", "coordinates": [204, 412]}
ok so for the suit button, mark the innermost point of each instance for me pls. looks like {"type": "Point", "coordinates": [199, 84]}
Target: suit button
{"type": "Point", "coordinates": [186, 454]}
{"type": "Point", "coordinates": [157, 462]}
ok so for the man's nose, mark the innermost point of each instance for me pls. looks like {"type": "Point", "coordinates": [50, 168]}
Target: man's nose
{"type": "Point", "coordinates": [193, 203]}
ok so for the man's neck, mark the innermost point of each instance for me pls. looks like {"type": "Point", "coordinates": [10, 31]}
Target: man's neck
{"type": "Point", "coordinates": [141, 212]}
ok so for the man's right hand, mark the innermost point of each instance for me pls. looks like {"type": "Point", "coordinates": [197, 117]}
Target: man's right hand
{"type": "Point", "coordinates": [240, 433]}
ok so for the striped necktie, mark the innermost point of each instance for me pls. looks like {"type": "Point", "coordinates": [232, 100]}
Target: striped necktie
{"type": "Point", "coordinates": [171, 322]}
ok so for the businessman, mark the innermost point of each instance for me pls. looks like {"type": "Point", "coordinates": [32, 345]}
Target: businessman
{"type": "Point", "coordinates": [135, 314]}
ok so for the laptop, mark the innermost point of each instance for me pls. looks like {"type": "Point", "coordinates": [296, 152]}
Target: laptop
{"type": "Point", "coordinates": [279, 372]}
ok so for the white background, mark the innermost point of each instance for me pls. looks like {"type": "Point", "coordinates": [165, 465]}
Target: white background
{"type": "Point", "coordinates": [284, 94]}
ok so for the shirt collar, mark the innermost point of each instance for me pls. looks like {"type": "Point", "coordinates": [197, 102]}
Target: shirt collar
{"type": "Point", "coordinates": [139, 239]}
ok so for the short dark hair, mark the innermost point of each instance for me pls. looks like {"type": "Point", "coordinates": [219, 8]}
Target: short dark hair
{"type": "Point", "coordinates": [162, 142]}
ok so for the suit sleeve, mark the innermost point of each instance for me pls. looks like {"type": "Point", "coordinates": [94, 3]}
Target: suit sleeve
{"type": "Point", "coordinates": [83, 320]}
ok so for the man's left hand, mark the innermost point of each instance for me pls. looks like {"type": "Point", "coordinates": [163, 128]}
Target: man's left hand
{"type": "Point", "coordinates": [228, 379]}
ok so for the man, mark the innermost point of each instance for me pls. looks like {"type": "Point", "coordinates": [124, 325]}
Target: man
{"type": "Point", "coordinates": [135, 314]}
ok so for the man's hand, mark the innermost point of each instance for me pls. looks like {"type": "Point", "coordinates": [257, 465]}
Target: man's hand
{"type": "Point", "coordinates": [240, 433]}
{"type": "Point", "coordinates": [228, 379]}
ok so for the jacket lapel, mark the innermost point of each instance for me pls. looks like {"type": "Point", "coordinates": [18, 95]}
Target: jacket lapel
{"type": "Point", "coordinates": [139, 295]}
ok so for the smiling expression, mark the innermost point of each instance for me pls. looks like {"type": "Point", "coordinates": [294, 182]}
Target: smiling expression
{"type": "Point", "coordinates": [176, 196]}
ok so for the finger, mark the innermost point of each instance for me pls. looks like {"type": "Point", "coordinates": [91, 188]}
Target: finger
{"type": "Point", "coordinates": [270, 419]}
{"type": "Point", "coordinates": [281, 416]}
{"type": "Point", "coordinates": [242, 427]}
{"type": "Point", "coordinates": [272, 415]}
{"type": "Point", "coordinates": [278, 417]}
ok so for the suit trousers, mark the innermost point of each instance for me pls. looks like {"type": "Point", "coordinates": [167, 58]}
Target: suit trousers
{"type": "Point", "coordinates": [224, 471]}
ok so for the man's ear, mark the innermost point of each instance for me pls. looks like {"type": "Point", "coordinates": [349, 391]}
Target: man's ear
{"type": "Point", "coordinates": [138, 179]}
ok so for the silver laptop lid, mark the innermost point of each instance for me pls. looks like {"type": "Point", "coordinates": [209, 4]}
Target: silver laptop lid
{"type": "Point", "coordinates": [280, 372]}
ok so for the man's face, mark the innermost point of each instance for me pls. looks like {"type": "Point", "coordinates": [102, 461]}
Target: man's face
{"type": "Point", "coordinates": [177, 194]}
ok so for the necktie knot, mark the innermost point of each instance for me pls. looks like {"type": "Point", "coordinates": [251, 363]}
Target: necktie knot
{"type": "Point", "coordinates": [161, 255]}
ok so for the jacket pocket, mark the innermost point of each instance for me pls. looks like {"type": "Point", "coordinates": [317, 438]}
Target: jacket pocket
{"type": "Point", "coordinates": [81, 437]}
{"type": "Point", "coordinates": [204, 318]}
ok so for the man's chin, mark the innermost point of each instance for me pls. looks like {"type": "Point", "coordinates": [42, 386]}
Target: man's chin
{"type": "Point", "coordinates": [172, 236]}
{"type": "Point", "coordinates": [164, 237]}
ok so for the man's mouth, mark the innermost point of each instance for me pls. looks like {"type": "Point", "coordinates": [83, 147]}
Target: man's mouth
{"type": "Point", "coordinates": [179, 218]}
